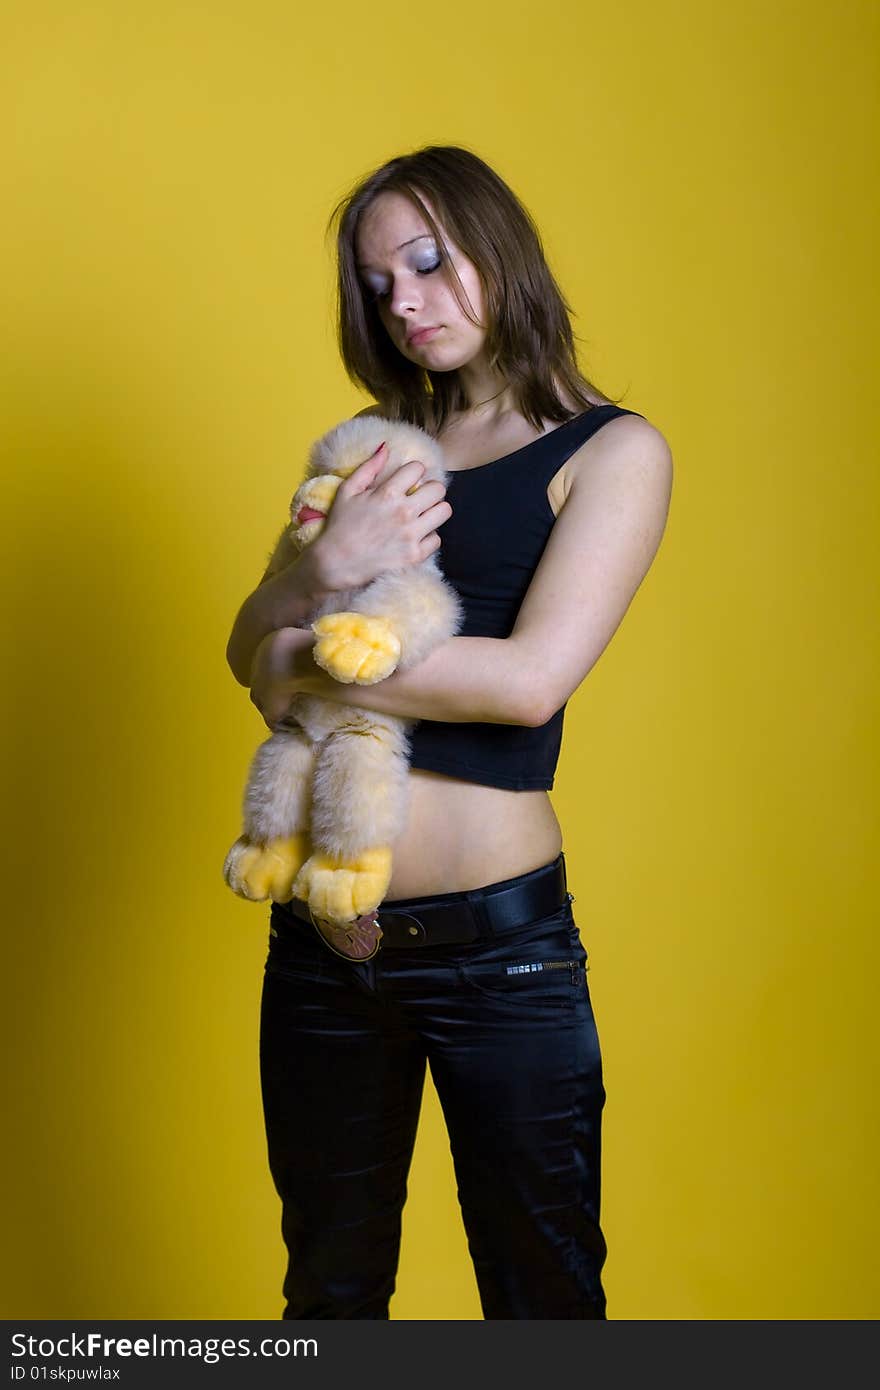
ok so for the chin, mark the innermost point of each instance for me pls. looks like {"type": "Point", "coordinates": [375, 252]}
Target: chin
{"type": "Point", "coordinates": [442, 359]}
{"type": "Point", "coordinates": [448, 355]}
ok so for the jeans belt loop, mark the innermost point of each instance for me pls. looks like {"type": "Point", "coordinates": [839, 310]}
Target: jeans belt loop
{"type": "Point", "coordinates": [477, 903]}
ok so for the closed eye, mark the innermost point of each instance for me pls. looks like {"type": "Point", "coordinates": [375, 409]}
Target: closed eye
{"type": "Point", "coordinates": [420, 270]}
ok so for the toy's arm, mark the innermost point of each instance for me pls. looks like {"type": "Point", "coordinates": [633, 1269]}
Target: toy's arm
{"type": "Point", "coordinates": [600, 549]}
{"type": "Point", "coordinates": [389, 626]}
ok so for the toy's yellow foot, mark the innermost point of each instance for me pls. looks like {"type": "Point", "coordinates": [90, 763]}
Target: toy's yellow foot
{"type": "Point", "coordinates": [355, 648]}
{"type": "Point", "coordinates": [341, 890]}
{"type": "Point", "coordinates": [258, 871]}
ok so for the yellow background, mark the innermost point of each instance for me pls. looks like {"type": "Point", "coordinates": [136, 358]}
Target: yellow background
{"type": "Point", "coordinates": [704, 179]}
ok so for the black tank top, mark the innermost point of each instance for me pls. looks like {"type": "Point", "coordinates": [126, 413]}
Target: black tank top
{"type": "Point", "coordinates": [490, 548]}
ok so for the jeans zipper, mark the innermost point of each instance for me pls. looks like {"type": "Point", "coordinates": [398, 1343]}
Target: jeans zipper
{"type": "Point", "coordinates": [573, 966]}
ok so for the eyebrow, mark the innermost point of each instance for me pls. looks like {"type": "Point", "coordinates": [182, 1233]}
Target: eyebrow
{"type": "Point", "coordinates": [421, 237]}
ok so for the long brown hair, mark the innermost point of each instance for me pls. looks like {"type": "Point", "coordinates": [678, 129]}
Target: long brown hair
{"type": "Point", "coordinates": [529, 334]}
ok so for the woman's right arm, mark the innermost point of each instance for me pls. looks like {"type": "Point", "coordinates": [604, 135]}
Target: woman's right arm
{"type": "Point", "coordinates": [368, 531]}
{"type": "Point", "coordinates": [284, 597]}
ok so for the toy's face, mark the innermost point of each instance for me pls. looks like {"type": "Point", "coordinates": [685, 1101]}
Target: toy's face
{"type": "Point", "coordinates": [308, 510]}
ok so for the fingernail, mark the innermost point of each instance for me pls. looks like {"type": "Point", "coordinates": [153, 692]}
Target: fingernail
{"type": "Point", "coordinates": [376, 451]}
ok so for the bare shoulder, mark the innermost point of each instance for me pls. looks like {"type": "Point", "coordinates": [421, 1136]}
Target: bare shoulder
{"type": "Point", "coordinates": [624, 470]}
{"type": "Point", "coordinates": [628, 444]}
{"type": "Point", "coordinates": [623, 437]}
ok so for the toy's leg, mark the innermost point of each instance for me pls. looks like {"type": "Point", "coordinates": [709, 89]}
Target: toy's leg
{"type": "Point", "coordinates": [265, 860]}
{"type": "Point", "coordinates": [359, 805]}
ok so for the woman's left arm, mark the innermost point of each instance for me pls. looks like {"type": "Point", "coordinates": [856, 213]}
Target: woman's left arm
{"type": "Point", "coordinates": [599, 551]}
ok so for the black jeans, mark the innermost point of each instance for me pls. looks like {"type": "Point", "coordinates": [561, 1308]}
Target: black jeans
{"type": "Point", "coordinates": [508, 1029]}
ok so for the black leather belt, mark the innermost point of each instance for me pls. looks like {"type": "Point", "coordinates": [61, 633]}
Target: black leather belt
{"type": "Point", "coordinates": [478, 914]}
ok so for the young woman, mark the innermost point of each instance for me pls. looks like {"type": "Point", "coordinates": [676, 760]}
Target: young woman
{"type": "Point", "coordinates": [555, 507]}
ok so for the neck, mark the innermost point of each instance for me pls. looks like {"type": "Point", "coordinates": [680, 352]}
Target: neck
{"type": "Point", "coordinates": [487, 392]}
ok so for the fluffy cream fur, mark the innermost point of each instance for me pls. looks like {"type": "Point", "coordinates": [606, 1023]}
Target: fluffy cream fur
{"type": "Point", "coordinates": [326, 795]}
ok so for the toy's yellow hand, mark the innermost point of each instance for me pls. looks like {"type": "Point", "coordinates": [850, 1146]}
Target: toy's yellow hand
{"type": "Point", "coordinates": [353, 648]}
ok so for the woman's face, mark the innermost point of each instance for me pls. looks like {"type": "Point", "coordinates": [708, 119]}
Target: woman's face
{"type": "Point", "coordinates": [400, 267]}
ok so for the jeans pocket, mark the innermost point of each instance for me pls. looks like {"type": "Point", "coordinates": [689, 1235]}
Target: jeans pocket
{"type": "Point", "coordinates": [541, 966]}
{"type": "Point", "coordinates": [548, 984]}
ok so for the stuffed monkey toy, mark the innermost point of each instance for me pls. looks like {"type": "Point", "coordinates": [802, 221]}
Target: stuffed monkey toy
{"type": "Point", "coordinates": [326, 794]}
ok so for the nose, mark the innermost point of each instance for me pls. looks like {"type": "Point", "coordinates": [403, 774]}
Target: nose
{"type": "Point", "coordinates": [405, 298]}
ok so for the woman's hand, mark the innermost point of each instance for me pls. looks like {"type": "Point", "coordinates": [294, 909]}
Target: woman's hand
{"type": "Point", "coordinates": [372, 528]}
{"type": "Point", "coordinates": [279, 662]}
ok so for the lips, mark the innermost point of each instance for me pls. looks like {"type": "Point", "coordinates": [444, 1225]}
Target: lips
{"type": "Point", "coordinates": [308, 514]}
{"type": "Point", "coordinates": [421, 335]}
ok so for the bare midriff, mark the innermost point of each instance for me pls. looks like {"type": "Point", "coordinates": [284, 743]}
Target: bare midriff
{"type": "Point", "coordinates": [460, 835]}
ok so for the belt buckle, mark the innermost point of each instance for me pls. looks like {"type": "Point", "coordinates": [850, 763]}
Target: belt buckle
{"type": "Point", "coordinates": [355, 941]}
